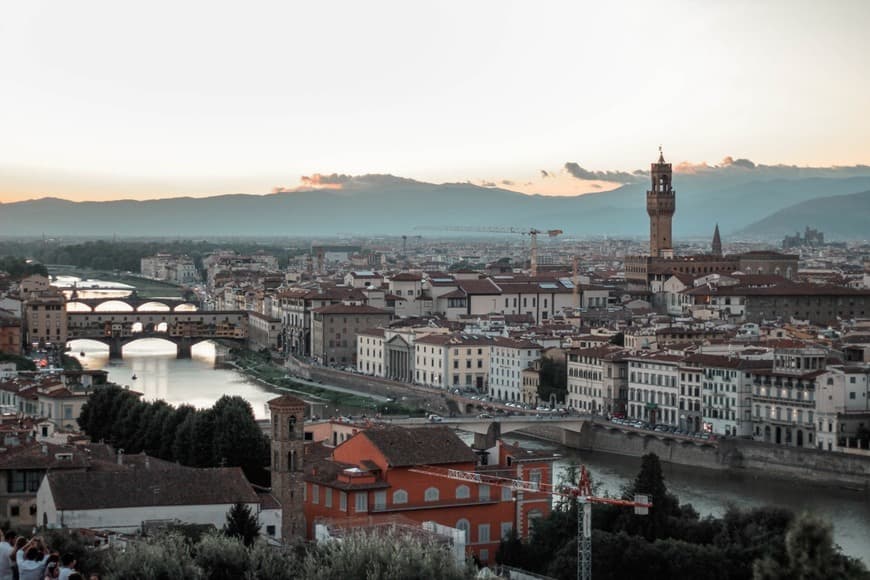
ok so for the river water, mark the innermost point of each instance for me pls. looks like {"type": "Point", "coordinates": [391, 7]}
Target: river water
{"type": "Point", "coordinates": [196, 381]}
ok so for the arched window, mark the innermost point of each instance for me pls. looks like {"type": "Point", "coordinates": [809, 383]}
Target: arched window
{"type": "Point", "coordinates": [431, 494]}
{"type": "Point", "coordinates": [291, 427]}
{"type": "Point", "coordinates": [291, 461]}
{"type": "Point", "coordinates": [462, 492]}
{"type": "Point", "coordinates": [400, 496]}
{"type": "Point", "coordinates": [534, 516]}
{"type": "Point", "coordinates": [465, 526]}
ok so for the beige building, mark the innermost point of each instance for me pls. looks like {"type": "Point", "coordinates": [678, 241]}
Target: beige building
{"type": "Point", "coordinates": [45, 318]}
{"type": "Point", "coordinates": [455, 360]}
{"type": "Point", "coordinates": [597, 380]}
{"type": "Point", "coordinates": [334, 330]}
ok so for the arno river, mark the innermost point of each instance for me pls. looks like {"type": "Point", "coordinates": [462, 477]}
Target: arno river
{"type": "Point", "coordinates": [195, 381]}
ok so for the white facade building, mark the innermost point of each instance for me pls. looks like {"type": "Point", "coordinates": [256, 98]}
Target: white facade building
{"type": "Point", "coordinates": [653, 388]}
{"type": "Point", "coordinates": [508, 359]}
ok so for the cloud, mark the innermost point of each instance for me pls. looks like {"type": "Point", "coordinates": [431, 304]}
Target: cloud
{"type": "Point", "coordinates": [320, 180]}
{"type": "Point", "coordinates": [545, 174]}
{"type": "Point", "coordinates": [488, 184]}
{"type": "Point", "coordinates": [507, 182]}
{"type": "Point", "coordinates": [730, 161]}
{"type": "Point", "coordinates": [578, 172]}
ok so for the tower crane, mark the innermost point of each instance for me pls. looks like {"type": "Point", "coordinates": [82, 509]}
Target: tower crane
{"type": "Point", "coordinates": [581, 493]}
{"type": "Point", "coordinates": [531, 232]}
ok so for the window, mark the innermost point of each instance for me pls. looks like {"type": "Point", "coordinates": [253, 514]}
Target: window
{"type": "Point", "coordinates": [535, 478]}
{"type": "Point", "coordinates": [400, 496]}
{"type": "Point", "coordinates": [465, 526]}
{"type": "Point", "coordinates": [342, 501]}
{"type": "Point", "coordinates": [462, 492]}
{"type": "Point", "coordinates": [361, 501]}
{"type": "Point", "coordinates": [270, 530]}
{"type": "Point", "coordinates": [380, 500]}
{"type": "Point", "coordinates": [315, 493]}
{"type": "Point", "coordinates": [431, 494]}
{"type": "Point", "coordinates": [506, 494]}
{"type": "Point", "coordinates": [327, 497]}
{"type": "Point", "coordinates": [506, 528]}
{"type": "Point", "coordinates": [484, 493]}
{"type": "Point", "coordinates": [483, 533]}
{"type": "Point", "coordinates": [14, 510]}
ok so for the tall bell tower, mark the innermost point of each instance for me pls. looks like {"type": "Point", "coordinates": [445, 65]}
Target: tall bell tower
{"type": "Point", "coordinates": [288, 448]}
{"type": "Point", "coordinates": [660, 205]}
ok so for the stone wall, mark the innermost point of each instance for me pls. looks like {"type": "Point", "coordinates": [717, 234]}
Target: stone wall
{"type": "Point", "coordinates": [769, 460]}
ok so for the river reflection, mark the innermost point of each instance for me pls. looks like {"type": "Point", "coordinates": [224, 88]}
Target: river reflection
{"type": "Point", "coordinates": [160, 375]}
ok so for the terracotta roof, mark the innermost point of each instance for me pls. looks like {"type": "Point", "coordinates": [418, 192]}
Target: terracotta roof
{"type": "Point", "coordinates": [727, 362]}
{"type": "Point", "coordinates": [608, 352]}
{"type": "Point", "coordinates": [350, 309]}
{"type": "Point", "coordinates": [32, 456]}
{"type": "Point", "coordinates": [516, 343]}
{"type": "Point", "coordinates": [407, 277]}
{"type": "Point", "coordinates": [371, 332]}
{"type": "Point", "coordinates": [479, 287]}
{"type": "Point", "coordinates": [422, 446]}
{"type": "Point", "coordinates": [90, 490]}
{"type": "Point", "coordinates": [457, 339]}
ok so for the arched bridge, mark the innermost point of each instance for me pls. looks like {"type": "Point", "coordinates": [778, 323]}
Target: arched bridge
{"type": "Point", "coordinates": [130, 304]}
{"type": "Point", "coordinates": [185, 329]}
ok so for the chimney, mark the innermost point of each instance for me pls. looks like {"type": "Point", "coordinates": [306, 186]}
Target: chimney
{"type": "Point", "coordinates": [120, 457]}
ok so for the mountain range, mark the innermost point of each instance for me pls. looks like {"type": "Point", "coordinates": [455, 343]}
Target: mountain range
{"type": "Point", "coordinates": [745, 202]}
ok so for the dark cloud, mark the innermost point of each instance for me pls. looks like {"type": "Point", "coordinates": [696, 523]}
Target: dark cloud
{"type": "Point", "coordinates": [545, 174]}
{"type": "Point", "coordinates": [617, 176]}
{"type": "Point", "coordinates": [488, 184]}
{"type": "Point", "coordinates": [507, 182]}
{"type": "Point", "coordinates": [730, 161]}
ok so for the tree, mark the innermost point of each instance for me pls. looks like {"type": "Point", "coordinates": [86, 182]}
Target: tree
{"type": "Point", "coordinates": [554, 379]}
{"type": "Point", "coordinates": [651, 482]}
{"type": "Point", "coordinates": [382, 555]}
{"type": "Point", "coordinates": [238, 440]}
{"type": "Point", "coordinates": [222, 558]}
{"type": "Point", "coordinates": [242, 524]}
{"type": "Point", "coordinates": [810, 554]}
{"type": "Point", "coordinates": [163, 557]}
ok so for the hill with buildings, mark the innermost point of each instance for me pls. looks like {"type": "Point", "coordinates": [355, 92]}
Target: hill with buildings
{"type": "Point", "coordinates": [391, 205]}
{"type": "Point", "coordinates": [843, 217]}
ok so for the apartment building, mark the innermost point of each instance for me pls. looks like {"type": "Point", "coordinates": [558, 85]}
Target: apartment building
{"type": "Point", "coordinates": [784, 397]}
{"type": "Point", "coordinates": [597, 380]}
{"type": "Point", "coordinates": [508, 359]}
{"type": "Point", "coordinates": [843, 408]}
{"type": "Point", "coordinates": [45, 318]}
{"type": "Point", "coordinates": [653, 389]}
{"type": "Point", "coordinates": [455, 360]}
{"type": "Point", "coordinates": [334, 330]}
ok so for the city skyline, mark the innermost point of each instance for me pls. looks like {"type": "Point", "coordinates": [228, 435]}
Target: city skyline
{"type": "Point", "coordinates": [112, 103]}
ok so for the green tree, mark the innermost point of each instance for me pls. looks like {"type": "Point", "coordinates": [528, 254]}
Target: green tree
{"type": "Point", "coordinates": [810, 554]}
{"type": "Point", "coordinates": [554, 379]}
{"type": "Point", "coordinates": [382, 555]}
{"type": "Point", "coordinates": [242, 524]}
{"type": "Point", "coordinates": [164, 557]}
{"type": "Point", "coordinates": [222, 558]}
{"type": "Point", "coordinates": [238, 440]}
{"type": "Point", "coordinates": [22, 363]}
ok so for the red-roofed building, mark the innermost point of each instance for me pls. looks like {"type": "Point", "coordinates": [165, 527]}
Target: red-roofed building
{"type": "Point", "coordinates": [373, 475]}
{"type": "Point", "coordinates": [334, 329]}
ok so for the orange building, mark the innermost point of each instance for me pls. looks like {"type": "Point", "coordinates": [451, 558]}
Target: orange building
{"type": "Point", "coordinates": [372, 476]}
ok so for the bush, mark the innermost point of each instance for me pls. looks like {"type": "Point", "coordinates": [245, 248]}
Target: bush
{"type": "Point", "coordinates": [164, 557]}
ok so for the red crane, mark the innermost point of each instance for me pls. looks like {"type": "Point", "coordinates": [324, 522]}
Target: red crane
{"type": "Point", "coordinates": [582, 493]}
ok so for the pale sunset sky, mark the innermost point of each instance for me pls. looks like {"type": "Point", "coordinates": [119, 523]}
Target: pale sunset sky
{"type": "Point", "coordinates": [108, 99]}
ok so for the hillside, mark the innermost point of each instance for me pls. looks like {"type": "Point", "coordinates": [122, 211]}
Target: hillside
{"type": "Point", "coordinates": [840, 217]}
{"type": "Point", "coordinates": [390, 205]}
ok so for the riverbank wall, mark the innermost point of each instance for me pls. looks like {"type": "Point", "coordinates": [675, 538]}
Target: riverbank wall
{"type": "Point", "coordinates": [827, 468]}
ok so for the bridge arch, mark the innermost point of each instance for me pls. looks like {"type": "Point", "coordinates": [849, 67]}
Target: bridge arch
{"type": "Point", "coordinates": [186, 307]}
{"type": "Point", "coordinates": [76, 306]}
{"type": "Point", "coordinates": [153, 306]}
{"type": "Point", "coordinates": [155, 345]}
{"type": "Point", "coordinates": [113, 306]}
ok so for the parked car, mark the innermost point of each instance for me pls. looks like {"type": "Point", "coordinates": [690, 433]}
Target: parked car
{"type": "Point", "coordinates": [435, 418]}
{"type": "Point", "coordinates": [484, 416]}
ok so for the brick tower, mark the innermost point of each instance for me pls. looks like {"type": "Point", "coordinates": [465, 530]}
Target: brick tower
{"type": "Point", "coordinates": [288, 441]}
{"type": "Point", "coordinates": [716, 246]}
{"type": "Point", "coordinates": [660, 205]}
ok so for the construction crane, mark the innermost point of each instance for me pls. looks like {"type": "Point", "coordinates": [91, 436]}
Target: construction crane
{"type": "Point", "coordinates": [531, 232]}
{"type": "Point", "coordinates": [581, 493]}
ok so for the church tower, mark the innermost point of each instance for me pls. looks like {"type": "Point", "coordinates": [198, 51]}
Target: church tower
{"type": "Point", "coordinates": [288, 447]}
{"type": "Point", "coordinates": [660, 205]}
{"type": "Point", "coordinates": [717, 242]}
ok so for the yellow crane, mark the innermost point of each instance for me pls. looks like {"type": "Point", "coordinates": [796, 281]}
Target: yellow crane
{"type": "Point", "coordinates": [531, 232]}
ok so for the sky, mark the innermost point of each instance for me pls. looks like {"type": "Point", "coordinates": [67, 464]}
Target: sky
{"type": "Point", "coordinates": [107, 99]}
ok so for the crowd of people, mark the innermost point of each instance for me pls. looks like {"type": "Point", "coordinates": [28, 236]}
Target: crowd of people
{"type": "Point", "coordinates": [23, 559]}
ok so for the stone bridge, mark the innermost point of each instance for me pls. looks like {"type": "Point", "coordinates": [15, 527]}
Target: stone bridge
{"type": "Point", "coordinates": [487, 431]}
{"type": "Point", "coordinates": [184, 328]}
{"type": "Point", "coordinates": [130, 303]}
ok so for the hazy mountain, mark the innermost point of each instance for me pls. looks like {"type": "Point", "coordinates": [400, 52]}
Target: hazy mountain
{"type": "Point", "coordinates": [389, 205]}
{"type": "Point", "coordinates": [839, 217]}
